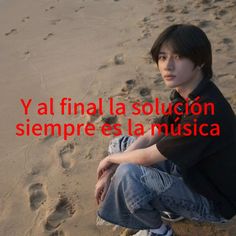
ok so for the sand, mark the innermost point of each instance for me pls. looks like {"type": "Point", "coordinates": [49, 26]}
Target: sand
{"type": "Point", "coordinates": [85, 50]}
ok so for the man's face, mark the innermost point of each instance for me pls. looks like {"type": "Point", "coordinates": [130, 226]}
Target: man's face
{"type": "Point", "coordinates": [176, 71]}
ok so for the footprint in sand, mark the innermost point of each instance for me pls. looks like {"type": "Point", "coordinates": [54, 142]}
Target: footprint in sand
{"type": "Point", "coordinates": [119, 59]}
{"type": "Point", "coordinates": [12, 31]}
{"type": "Point", "coordinates": [146, 33]}
{"type": "Point", "coordinates": [204, 23]}
{"type": "Point", "coordinates": [170, 18]}
{"type": "Point", "coordinates": [62, 211]}
{"type": "Point", "coordinates": [147, 26]}
{"type": "Point", "coordinates": [206, 2]}
{"type": "Point", "coordinates": [45, 138]}
{"type": "Point", "coordinates": [129, 85]}
{"type": "Point", "coordinates": [227, 40]}
{"type": "Point", "coordinates": [76, 10]}
{"type": "Point", "coordinates": [27, 52]}
{"type": "Point", "coordinates": [65, 155]}
{"type": "Point", "coordinates": [146, 94]}
{"type": "Point", "coordinates": [169, 9]}
{"type": "Point", "coordinates": [144, 91]}
{"type": "Point", "coordinates": [55, 21]}
{"type": "Point", "coordinates": [24, 19]}
{"type": "Point", "coordinates": [89, 155]}
{"type": "Point", "coordinates": [35, 171]}
{"type": "Point", "coordinates": [48, 36]}
{"type": "Point", "coordinates": [57, 233]}
{"type": "Point", "coordinates": [184, 10]}
{"type": "Point", "coordinates": [50, 8]}
{"type": "Point", "coordinates": [109, 119]}
{"type": "Point", "coordinates": [103, 66]}
{"type": "Point", "coordinates": [209, 8]}
{"type": "Point", "coordinates": [36, 196]}
{"type": "Point", "coordinates": [230, 62]}
{"type": "Point", "coordinates": [123, 43]}
{"type": "Point", "coordinates": [221, 12]}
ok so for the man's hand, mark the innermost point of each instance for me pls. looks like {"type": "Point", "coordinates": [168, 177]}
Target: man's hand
{"type": "Point", "coordinates": [104, 165]}
{"type": "Point", "coordinates": [146, 157]}
{"type": "Point", "coordinates": [104, 182]}
{"type": "Point", "coordinates": [102, 186]}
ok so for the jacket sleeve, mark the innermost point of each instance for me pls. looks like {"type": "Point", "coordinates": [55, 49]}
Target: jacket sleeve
{"type": "Point", "coordinates": [186, 150]}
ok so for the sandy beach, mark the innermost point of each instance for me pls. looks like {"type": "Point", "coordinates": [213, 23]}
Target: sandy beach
{"type": "Point", "coordinates": [86, 50]}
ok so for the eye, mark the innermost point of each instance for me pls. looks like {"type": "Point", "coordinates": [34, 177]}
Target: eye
{"type": "Point", "coordinates": [161, 58]}
{"type": "Point", "coordinates": [177, 57]}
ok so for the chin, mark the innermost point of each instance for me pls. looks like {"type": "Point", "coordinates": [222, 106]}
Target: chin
{"type": "Point", "coordinates": [171, 84]}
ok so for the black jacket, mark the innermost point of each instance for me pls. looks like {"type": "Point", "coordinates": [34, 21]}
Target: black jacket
{"type": "Point", "coordinates": [208, 163]}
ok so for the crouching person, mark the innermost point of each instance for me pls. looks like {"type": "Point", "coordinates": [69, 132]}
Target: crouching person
{"type": "Point", "coordinates": [172, 177]}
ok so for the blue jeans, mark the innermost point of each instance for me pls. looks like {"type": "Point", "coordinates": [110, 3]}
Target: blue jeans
{"type": "Point", "coordinates": [137, 194]}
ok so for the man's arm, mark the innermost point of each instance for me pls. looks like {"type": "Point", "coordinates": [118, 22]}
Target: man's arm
{"type": "Point", "coordinates": [146, 157]}
{"type": "Point", "coordinates": [144, 141]}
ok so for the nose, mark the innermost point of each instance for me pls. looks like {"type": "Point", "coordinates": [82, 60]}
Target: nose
{"type": "Point", "coordinates": [170, 64]}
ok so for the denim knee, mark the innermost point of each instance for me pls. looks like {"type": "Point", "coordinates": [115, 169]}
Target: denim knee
{"type": "Point", "coordinates": [127, 171]}
{"type": "Point", "coordinates": [127, 183]}
{"type": "Point", "coordinates": [156, 180]}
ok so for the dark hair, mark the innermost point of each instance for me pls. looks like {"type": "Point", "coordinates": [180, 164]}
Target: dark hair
{"type": "Point", "coordinates": [187, 41]}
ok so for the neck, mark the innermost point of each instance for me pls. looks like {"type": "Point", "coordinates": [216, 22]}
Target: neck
{"type": "Point", "coordinates": [185, 90]}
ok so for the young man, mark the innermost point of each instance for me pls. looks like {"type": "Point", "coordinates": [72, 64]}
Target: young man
{"type": "Point", "coordinates": [186, 175]}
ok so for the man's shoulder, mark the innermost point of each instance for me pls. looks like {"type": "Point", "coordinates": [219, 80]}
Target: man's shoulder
{"type": "Point", "coordinates": [213, 95]}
